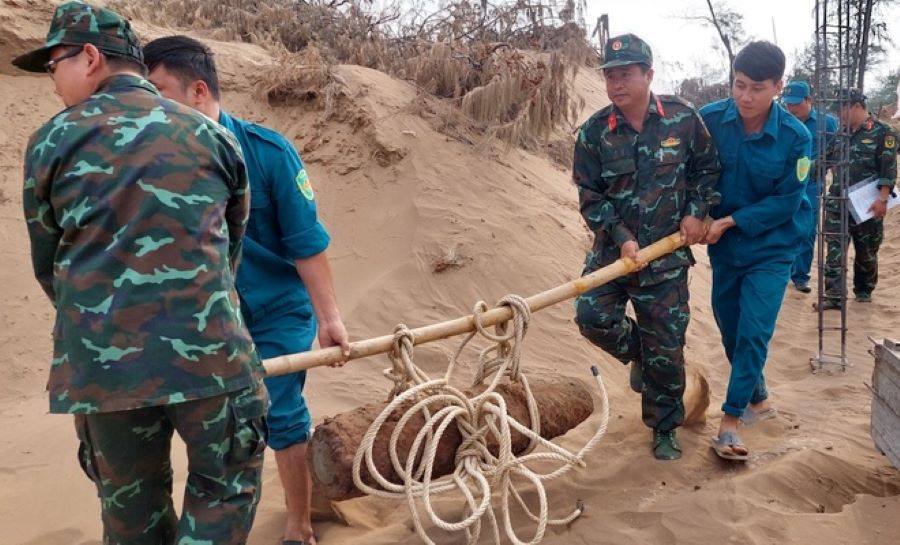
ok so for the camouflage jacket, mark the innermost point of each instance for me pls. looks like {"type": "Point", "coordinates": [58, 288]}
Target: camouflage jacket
{"type": "Point", "coordinates": [873, 152]}
{"type": "Point", "coordinates": [136, 206]}
{"type": "Point", "coordinates": [639, 186]}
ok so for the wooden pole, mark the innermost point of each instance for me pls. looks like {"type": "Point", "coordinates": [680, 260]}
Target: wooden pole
{"type": "Point", "coordinates": [291, 363]}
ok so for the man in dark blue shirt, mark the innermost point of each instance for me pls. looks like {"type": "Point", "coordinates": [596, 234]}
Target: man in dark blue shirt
{"type": "Point", "coordinates": [284, 279]}
{"type": "Point", "coordinates": [798, 100]}
{"type": "Point", "coordinates": [765, 156]}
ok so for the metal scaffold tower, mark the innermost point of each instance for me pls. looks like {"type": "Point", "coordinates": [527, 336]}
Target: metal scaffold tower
{"type": "Point", "coordinates": [837, 61]}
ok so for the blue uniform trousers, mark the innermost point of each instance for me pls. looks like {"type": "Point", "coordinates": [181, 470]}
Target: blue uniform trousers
{"type": "Point", "coordinates": [803, 262]}
{"type": "Point", "coordinates": [286, 332]}
{"type": "Point", "coordinates": [746, 301]}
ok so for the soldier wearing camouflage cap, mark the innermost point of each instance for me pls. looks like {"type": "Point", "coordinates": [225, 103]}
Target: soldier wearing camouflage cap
{"type": "Point", "coordinates": [136, 206]}
{"type": "Point", "coordinates": [873, 152]}
{"type": "Point", "coordinates": [645, 167]}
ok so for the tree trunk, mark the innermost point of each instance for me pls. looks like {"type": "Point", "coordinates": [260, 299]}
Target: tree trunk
{"type": "Point", "coordinates": [725, 41]}
{"type": "Point", "coordinates": [864, 44]}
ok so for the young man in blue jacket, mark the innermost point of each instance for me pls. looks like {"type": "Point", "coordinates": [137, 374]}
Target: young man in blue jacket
{"type": "Point", "coordinates": [284, 280]}
{"type": "Point", "coordinates": [765, 156]}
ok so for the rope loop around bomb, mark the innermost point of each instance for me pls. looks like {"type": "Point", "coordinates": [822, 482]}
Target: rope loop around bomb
{"type": "Point", "coordinates": [485, 463]}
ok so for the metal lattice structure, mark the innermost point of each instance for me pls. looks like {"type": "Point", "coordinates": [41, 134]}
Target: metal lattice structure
{"type": "Point", "coordinates": [835, 61]}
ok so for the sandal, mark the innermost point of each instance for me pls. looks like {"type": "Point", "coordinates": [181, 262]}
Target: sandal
{"type": "Point", "coordinates": [725, 446]}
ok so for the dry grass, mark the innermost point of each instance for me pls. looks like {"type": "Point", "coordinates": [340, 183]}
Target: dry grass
{"type": "Point", "coordinates": [504, 73]}
{"type": "Point", "coordinates": [299, 78]}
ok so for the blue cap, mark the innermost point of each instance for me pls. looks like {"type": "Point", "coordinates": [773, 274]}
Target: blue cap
{"type": "Point", "coordinates": [794, 92]}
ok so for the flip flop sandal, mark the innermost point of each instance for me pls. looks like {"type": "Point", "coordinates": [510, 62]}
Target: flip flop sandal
{"type": "Point", "coordinates": [729, 440]}
{"type": "Point", "coordinates": [752, 418]}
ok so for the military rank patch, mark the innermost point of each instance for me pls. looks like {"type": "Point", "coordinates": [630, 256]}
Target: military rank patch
{"type": "Point", "coordinates": [803, 164]}
{"type": "Point", "coordinates": [302, 181]}
{"type": "Point", "coordinates": [889, 142]}
{"type": "Point", "coordinates": [866, 141]}
{"type": "Point", "coordinates": [670, 142]}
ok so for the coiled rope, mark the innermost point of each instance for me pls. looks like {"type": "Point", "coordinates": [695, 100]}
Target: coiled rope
{"type": "Point", "coordinates": [481, 419]}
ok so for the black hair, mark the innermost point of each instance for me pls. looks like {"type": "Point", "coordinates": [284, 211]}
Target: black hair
{"type": "Point", "coordinates": [760, 61]}
{"type": "Point", "coordinates": [117, 63]}
{"type": "Point", "coordinates": [185, 58]}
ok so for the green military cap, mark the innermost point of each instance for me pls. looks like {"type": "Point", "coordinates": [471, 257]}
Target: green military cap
{"type": "Point", "coordinates": [626, 49]}
{"type": "Point", "coordinates": [75, 23]}
{"type": "Point", "coordinates": [851, 96]}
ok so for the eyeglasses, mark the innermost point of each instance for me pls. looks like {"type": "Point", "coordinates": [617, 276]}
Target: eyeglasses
{"type": "Point", "coordinates": [50, 66]}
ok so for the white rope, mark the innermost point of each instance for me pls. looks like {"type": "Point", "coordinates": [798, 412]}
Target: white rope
{"type": "Point", "coordinates": [481, 419]}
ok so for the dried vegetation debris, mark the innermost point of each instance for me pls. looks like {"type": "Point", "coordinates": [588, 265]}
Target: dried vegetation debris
{"type": "Point", "coordinates": [504, 67]}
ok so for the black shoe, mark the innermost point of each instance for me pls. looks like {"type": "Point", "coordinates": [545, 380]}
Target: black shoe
{"type": "Point", "coordinates": [828, 304]}
{"type": "Point", "coordinates": [665, 446]}
{"type": "Point", "coordinates": [863, 297]}
{"type": "Point", "coordinates": [802, 287]}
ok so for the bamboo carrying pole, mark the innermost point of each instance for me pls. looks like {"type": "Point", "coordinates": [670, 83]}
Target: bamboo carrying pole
{"type": "Point", "coordinates": [291, 363]}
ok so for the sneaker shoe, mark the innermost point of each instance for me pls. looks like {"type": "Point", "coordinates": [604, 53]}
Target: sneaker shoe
{"type": "Point", "coordinates": [802, 287]}
{"type": "Point", "coordinates": [665, 446]}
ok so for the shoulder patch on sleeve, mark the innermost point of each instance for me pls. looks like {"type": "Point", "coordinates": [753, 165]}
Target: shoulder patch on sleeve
{"type": "Point", "coordinates": [889, 141]}
{"type": "Point", "coordinates": [803, 165]}
{"type": "Point", "coordinates": [303, 185]}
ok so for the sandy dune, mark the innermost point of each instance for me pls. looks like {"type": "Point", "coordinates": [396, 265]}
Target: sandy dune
{"type": "Point", "coordinates": [398, 197]}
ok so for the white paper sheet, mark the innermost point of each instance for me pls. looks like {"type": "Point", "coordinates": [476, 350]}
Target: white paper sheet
{"type": "Point", "coordinates": [860, 197]}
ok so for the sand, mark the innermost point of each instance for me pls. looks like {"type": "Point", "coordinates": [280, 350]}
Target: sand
{"type": "Point", "coordinates": [398, 198]}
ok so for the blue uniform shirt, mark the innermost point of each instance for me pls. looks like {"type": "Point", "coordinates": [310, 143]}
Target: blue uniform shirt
{"type": "Point", "coordinates": [283, 223]}
{"type": "Point", "coordinates": [811, 124]}
{"type": "Point", "coordinates": [831, 128]}
{"type": "Point", "coordinates": [764, 177]}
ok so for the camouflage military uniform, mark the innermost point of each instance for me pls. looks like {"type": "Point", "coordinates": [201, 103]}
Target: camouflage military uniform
{"type": "Point", "coordinates": [639, 186]}
{"type": "Point", "coordinates": [873, 152]}
{"type": "Point", "coordinates": [135, 207]}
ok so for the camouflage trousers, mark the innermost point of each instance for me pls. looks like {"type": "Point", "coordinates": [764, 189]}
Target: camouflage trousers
{"type": "Point", "coordinates": [866, 237]}
{"type": "Point", "coordinates": [656, 338]}
{"type": "Point", "coordinates": [126, 454]}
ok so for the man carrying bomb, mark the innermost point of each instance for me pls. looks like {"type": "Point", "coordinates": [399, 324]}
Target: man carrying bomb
{"type": "Point", "coordinates": [645, 167]}
{"type": "Point", "coordinates": [136, 207]}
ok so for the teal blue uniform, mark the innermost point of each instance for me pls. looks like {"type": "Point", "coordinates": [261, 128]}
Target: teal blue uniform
{"type": "Point", "coordinates": [283, 227]}
{"type": "Point", "coordinates": [809, 208]}
{"type": "Point", "coordinates": [763, 184]}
